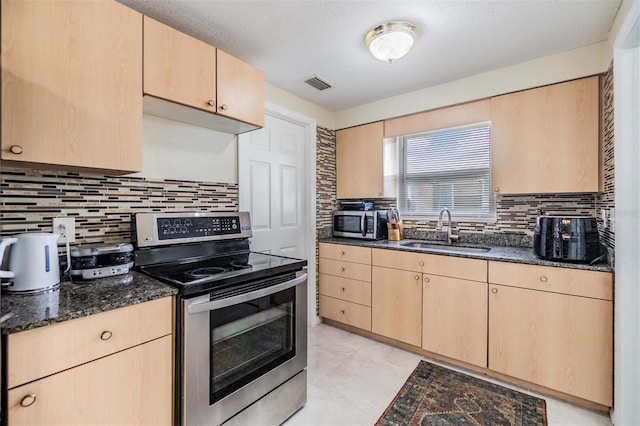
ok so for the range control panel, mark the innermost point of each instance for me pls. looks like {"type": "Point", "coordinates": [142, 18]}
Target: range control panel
{"type": "Point", "coordinates": [157, 229]}
{"type": "Point", "coordinates": [186, 227]}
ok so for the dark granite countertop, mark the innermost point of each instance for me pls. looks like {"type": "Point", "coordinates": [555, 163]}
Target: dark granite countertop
{"type": "Point", "coordinates": [501, 253]}
{"type": "Point", "coordinates": [79, 299]}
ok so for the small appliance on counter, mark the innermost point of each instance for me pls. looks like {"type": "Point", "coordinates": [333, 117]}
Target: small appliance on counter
{"type": "Point", "coordinates": [101, 260]}
{"type": "Point", "coordinates": [363, 224]}
{"type": "Point", "coordinates": [33, 263]}
{"type": "Point", "coordinates": [566, 238]}
{"type": "Point", "coordinates": [362, 205]}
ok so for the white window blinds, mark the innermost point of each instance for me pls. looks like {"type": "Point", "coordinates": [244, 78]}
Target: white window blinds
{"type": "Point", "coordinates": [447, 168]}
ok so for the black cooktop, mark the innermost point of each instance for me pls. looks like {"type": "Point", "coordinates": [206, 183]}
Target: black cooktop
{"type": "Point", "coordinates": [194, 277]}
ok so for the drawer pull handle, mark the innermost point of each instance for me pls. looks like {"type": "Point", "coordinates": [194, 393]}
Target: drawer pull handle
{"type": "Point", "coordinates": [421, 263]}
{"type": "Point", "coordinates": [543, 279]}
{"type": "Point", "coordinates": [211, 103]}
{"type": "Point", "coordinates": [106, 335]}
{"type": "Point", "coordinates": [426, 279]}
{"type": "Point", "coordinates": [28, 400]}
{"type": "Point", "coordinates": [341, 269]}
{"type": "Point", "coordinates": [342, 289]}
{"type": "Point", "coordinates": [417, 277]}
{"type": "Point", "coordinates": [494, 290]}
{"type": "Point", "coordinates": [15, 149]}
{"type": "Point", "coordinates": [341, 253]}
{"type": "Point", "coordinates": [342, 312]}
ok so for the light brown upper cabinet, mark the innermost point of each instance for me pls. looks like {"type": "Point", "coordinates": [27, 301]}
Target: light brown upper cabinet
{"type": "Point", "coordinates": [546, 140]}
{"type": "Point", "coordinates": [360, 161]}
{"type": "Point", "coordinates": [178, 67]}
{"type": "Point", "coordinates": [240, 90]}
{"type": "Point", "coordinates": [71, 78]}
{"type": "Point", "coordinates": [183, 71]}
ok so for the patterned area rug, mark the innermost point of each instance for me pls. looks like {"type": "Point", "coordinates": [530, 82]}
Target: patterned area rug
{"type": "Point", "coordinates": [435, 395]}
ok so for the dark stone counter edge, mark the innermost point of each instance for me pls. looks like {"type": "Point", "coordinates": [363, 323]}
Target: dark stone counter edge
{"type": "Point", "coordinates": [80, 299]}
{"type": "Point", "coordinates": [498, 253]}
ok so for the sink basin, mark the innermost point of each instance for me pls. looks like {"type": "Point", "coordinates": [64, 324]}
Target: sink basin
{"type": "Point", "coordinates": [434, 246]}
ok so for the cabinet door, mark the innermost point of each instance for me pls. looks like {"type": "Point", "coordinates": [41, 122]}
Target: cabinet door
{"type": "Point", "coordinates": [359, 161]}
{"type": "Point", "coordinates": [396, 305]}
{"type": "Point", "coordinates": [132, 387]}
{"type": "Point", "coordinates": [455, 318]}
{"type": "Point", "coordinates": [546, 140]}
{"type": "Point", "coordinates": [71, 79]}
{"type": "Point", "coordinates": [558, 341]}
{"type": "Point", "coordinates": [240, 90]}
{"type": "Point", "coordinates": [178, 68]}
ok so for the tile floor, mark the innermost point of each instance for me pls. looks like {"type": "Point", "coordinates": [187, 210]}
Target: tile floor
{"type": "Point", "coordinates": [352, 379]}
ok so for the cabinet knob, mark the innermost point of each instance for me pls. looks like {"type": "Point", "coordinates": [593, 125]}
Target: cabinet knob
{"type": "Point", "coordinates": [211, 102]}
{"type": "Point", "coordinates": [28, 400]}
{"type": "Point", "coordinates": [106, 335]}
{"type": "Point", "coordinates": [341, 253]}
{"type": "Point", "coordinates": [496, 189]}
{"type": "Point", "coordinates": [341, 269]}
{"type": "Point", "coordinates": [223, 107]}
{"type": "Point", "coordinates": [342, 289]}
{"type": "Point", "coordinates": [421, 263]}
{"type": "Point", "coordinates": [417, 277]}
{"type": "Point", "coordinates": [379, 194]}
{"type": "Point", "coordinates": [494, 290]}
{"type": "Point", "coordinates": [342, 312]}
{"type": "Point", "coordinates": [543, 279]}
{"type": "Point", "coordinates": [426, 279]}
{"type": "Point", "coordinates": [15, 149]}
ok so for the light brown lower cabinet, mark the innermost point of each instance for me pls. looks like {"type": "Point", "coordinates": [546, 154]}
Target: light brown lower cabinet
{"type": "Point", "coordinates": [455, 318]}
{"type": "Point", "coordinates": [559, 341]}
{"type": "Point", "coordinates": [130, 387]}
{"type": "Point", "coordinates": [348, 313]}
{"type": "Point", "coordinates": [396, 304]}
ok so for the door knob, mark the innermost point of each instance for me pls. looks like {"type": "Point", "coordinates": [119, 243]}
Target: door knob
{"type": "Point", "coordinates": [15, 149]}
{"type": "Point", "coordinates": [223, 107]}
{"type": "Point", "coordinates": [211, 102]}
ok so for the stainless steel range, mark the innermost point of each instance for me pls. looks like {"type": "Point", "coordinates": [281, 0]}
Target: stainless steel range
{"type": "Point", "coordinates": [241, 334]}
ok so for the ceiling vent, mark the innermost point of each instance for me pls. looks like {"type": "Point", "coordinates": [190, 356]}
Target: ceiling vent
{"type": "Point", "coordinates": [318, 83]}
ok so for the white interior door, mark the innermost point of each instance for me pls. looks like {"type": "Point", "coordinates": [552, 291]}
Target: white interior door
{"type": "Point", "coordinates": [271, 178]}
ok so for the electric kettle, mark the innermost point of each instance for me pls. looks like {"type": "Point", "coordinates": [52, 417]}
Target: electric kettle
{"type": "Point", "coordinates": [33, 262]}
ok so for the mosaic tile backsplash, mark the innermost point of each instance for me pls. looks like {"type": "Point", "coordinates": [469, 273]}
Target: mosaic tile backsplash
{"type": "Point", "coordinates": [102, 205]}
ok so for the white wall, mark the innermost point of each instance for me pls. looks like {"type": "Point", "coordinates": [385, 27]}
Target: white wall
{"type": "Point", "coordinates": [277, 96]}
{"type": "Point", "coordinates": [568, 65]}
{"type": "Point", "coordinates": [174, 150]}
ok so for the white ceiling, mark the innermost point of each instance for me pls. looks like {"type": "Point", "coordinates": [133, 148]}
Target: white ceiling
{"type": "Point", "coordinates": [291, 40]}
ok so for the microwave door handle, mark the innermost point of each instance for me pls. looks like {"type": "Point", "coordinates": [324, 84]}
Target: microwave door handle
{"type": "Point", "coordinates": [198, 307]}
{"type": "Point", "coordinates": [363, 224]}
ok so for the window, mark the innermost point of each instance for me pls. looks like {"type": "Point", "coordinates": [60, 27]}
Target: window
{"type": "Point", "coordinates": [447, 168]}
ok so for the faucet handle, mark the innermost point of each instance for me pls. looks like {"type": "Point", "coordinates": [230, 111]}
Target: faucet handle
{"type": "Point", "coordinates": [453, 238]}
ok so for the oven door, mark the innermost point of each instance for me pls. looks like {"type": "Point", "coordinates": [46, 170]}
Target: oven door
{"type": "Point", "coordinates": [239, 348]}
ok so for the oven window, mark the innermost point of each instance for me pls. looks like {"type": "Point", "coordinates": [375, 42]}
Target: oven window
{"type": "Point", "coordinates": [347, 223]}
{"type": "Point", "coordinates": [250, 339]}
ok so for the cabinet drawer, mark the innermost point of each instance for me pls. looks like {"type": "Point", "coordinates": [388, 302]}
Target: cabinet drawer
{"type": "Point", "coordinates": [36, 353]}
{"type": "Point", "coordinates": [346, 312]}
{"type": "Point", "coordinates": [576, 282]}
{"type": "Point", "coordinates": [448, 266]}
{"type": "Point", "coordinates": [346, 289]}
{"type": "Point", "coordinates": [133, 386]}
{"type": "Point", "coordinates": [355, 271]}
{"type": "Point", "coordinates": [346, 253]}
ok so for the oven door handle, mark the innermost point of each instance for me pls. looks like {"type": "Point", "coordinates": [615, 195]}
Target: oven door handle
{"type": "Point", "coordinates": [198, 307]}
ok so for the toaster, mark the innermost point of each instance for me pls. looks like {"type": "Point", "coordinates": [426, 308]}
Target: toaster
{"type": "Point", "coordinates": [100, 260]}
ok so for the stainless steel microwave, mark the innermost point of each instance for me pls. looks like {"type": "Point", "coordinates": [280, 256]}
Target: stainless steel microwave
{"type": "Point", "coordinates": [368, 224]}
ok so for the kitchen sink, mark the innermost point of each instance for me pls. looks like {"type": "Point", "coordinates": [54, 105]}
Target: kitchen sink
{"type": "Point", "coordinates": [454, 248]}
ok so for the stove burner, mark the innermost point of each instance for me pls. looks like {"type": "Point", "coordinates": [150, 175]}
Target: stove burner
{"type": "Point", "coordinates": [238, 264]}
{"type": "Point", "coordinates": [204, 272]}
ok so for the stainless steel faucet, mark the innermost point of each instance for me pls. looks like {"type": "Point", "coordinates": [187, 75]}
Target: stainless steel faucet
{"type": "Point", "coordinates": [450, 236]}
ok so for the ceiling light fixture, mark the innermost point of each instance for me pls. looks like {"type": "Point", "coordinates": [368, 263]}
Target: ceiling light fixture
{"type": "Point", "coordinates": [390, 41]}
